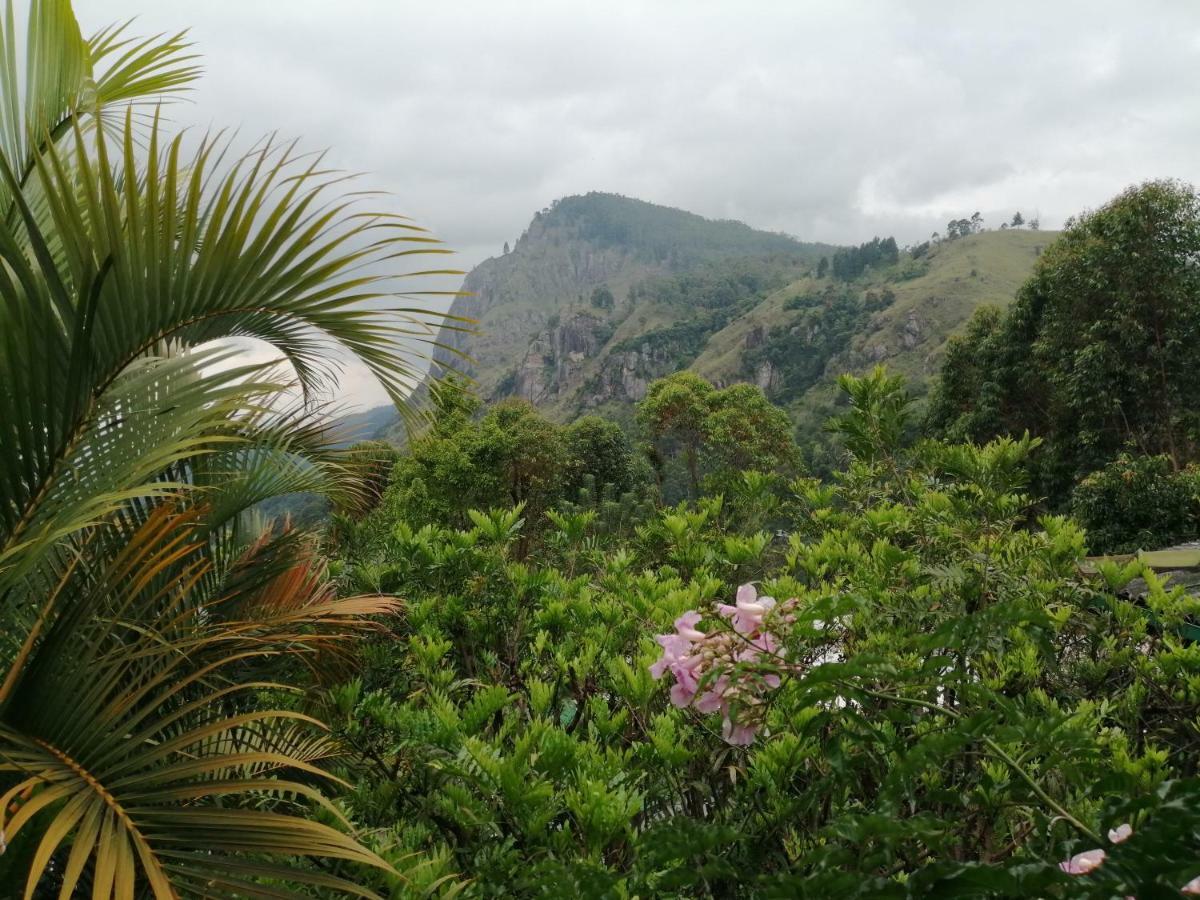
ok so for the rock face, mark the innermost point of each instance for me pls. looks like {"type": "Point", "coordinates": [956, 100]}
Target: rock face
{"type": "Point", "coordinates": [626, 374]}
{"type": "Point", "coordinates": [513, 299]}
{"type": "Point", "coordinates": [766, 377]}
{"type": "Point", "coordinates": [912, 333]}
{"type": "Point", "coordinates": [552, 364]}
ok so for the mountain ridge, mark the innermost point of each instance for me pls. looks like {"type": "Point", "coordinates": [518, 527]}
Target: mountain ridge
{"type": "Point", "coordinates": [602, 294]}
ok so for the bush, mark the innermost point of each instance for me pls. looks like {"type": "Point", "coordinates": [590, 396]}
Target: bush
{"type": "Point", "coordinates": [940, 702]}
{"type": "Point", "coordinates": [1138, 503]}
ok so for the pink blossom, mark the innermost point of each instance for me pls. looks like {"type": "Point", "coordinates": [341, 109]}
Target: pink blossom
{"type": "Point", "coordinates": [680, 659]}
{"type": "Point", "coordinates": [1120, 833]}
{"type": "Point", "coordinates": [747, 616]}
{"type": "Point", "coordinates": [725, 663]}
{"type": "Point", "coordinates": [1192, 887]}
{"type": "Point", "coordinates": [686, 624]}
{"type": "Point", "coordinates": [675, 652]}
{"type": "Point", "coordinates": [683, 690]}
{"type": "Point", "coordinates": [736, 734]}
{"type": "Point", "coordinates": [1082, 863]}
{"type": "Point", "coordinates": [714, 698]}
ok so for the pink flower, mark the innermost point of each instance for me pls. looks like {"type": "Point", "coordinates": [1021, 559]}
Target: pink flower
{"type": "Point", "coordinates": [1120, 833]}
{"type": "Point", "coordinates": [686, 624]}
{"type": "Point", "coordinates": [1192, 887]}
{"type": "Point", "coordinates": [675, 652]}
{"type": "Point", "coordinates": [677, 647]}
{"type": "Point", "coordinates": [738, 735]}
{"type": "Point", "coordinates": [683, 690]}
{"type": "Point", "coordinates": [747, 616]}
{"type": "Point", "coordinates": [714, 698]}
{"type": "Point", "coordinates": [1082, 863]}
{"type": "Point", "coordinates": [729, 665]}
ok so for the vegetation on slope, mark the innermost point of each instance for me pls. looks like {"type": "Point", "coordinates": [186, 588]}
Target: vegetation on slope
{"type": "Point", "coordinates": [1099, 355]}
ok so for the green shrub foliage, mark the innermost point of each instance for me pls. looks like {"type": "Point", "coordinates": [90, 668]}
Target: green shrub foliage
{"type": "Point", "coordinates": [511, 455]}
{"type": "Point", "coordinates": [949, 707]}
{"type": "Point", "coordinates": [1137, 503]}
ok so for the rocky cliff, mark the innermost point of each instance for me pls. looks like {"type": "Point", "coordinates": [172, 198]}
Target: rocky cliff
{"type": "Point", "coordinates": [602, 294]}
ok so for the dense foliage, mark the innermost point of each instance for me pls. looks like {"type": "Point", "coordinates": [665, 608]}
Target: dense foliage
{"type": "Point", "coordinates": [716, 434]}
{"type": "Point", "coordinates": [822, 326]}
{"type": "Point", "coordinates": [850, 262]}
{"type": "Point", "coordinates": [1138, 503]}
{"type": "Point", "coordinates": [939, 702]}
{"type": "Point", "coordinates": [510, 455]}
{"type": "Point", "coordinates": [702, 303]}
{"type": "Point", "coordinates": [1099, 353]}
{"type": "Point", "coordinates": [151, 632]}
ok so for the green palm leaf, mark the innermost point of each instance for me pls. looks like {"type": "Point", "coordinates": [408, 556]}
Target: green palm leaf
{"type": "Point", "coordinates": [142, 620]}
{"type": "Point", "coordinates": [128, 720]}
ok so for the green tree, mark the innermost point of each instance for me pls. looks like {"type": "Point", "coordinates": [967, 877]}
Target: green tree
{"type": "Point", "coordinates": [745, 431]}
{"type": "Point", "coordinates": [527, 452]}
{"type": "Point", "coordinates": [602, 298]}
{"type": "Point", "coordinates": [823, 267]}
{"type": "Point", "coordinates": [1100, 349]}
{"type": "Point", "coordinates": [674, 413]}
{"type": "Point", "coordinates": [511, 455]}
{"type": "Point", "coordinates": [1137, 503]}
{"type": "Point", "coordinates": [718, 433]}
{"type": "Point", "coordinates": [139, 604]}
{"type": "Point", "coordinates": [599, 448]}
{"type": "Point", "coordinates": [880, 409]}
{"type": "Point", "coordinates": [969, 400]}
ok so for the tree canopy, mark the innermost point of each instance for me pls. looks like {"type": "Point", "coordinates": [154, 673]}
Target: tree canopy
{"type": "Point", "coordinates": [1099, 352]}
{"type": "Point", "coordinates": [716, 433]}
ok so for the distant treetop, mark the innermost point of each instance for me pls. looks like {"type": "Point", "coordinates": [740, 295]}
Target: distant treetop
{"type": "Point", "coordinates": [667, 235]}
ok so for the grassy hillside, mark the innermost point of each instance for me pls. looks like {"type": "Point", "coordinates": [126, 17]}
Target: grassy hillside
{"type": "Point", "coordinates": [603, 294]}
{"type": "Point", "coordinates": [932, 298]}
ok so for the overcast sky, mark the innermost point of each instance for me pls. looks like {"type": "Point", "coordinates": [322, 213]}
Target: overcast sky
{"type": "Point", "coordinates": [831, 121]}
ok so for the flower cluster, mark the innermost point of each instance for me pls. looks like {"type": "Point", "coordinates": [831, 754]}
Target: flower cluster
{"type": "Point", "coordinates": [1090, 860]}
{"type": "Point", "coordinates": [723, 670]}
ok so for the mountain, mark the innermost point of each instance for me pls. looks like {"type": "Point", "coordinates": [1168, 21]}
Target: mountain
{"type": "Point", "coordinates": [574, 269]}
{"type": "Point", "coordinates": [374, 423]}
{"type": "Point", "coordinates": [602, 294]}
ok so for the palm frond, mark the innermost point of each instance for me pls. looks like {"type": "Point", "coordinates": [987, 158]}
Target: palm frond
{"type": "Point", "coordinates": [143, 627]}
{"type": "Point", "coordinates": [120, 729]}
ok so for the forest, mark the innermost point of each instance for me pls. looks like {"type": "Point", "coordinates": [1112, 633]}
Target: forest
{"type": "Point", "coordinates": [521, 658]}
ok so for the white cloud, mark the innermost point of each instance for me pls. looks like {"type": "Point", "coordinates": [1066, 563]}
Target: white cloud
{"type": "Point", "coordinates": [831, 121]}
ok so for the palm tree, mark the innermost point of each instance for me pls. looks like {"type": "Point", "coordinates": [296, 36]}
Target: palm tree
{"type": "Point", "coordinates": [143, 618]}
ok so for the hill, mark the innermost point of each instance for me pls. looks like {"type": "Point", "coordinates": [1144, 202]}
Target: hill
{"type": "Point", "coordinates": [797, 341]}
{"type": "Point", "coordinates": [575, 267]}
{"type": "Point", "coordinates": [602, 294]}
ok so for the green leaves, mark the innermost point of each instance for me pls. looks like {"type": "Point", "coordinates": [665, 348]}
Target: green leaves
{"type": "Point", "coordinates": [962, 707]}
{"type": "Point", "coordinates": [144, 619]}
{"type": "Point", "coordinates": [128, 716]}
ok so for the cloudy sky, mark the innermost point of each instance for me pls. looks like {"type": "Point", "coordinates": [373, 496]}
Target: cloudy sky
{"type": "Point", "coordinates": [831, 121]}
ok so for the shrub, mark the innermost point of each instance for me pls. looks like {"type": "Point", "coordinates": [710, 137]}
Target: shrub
{"type": "Point", "coordinates": [1138, 503]}
{"type": "Point", "coordinates": [936, 702]}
